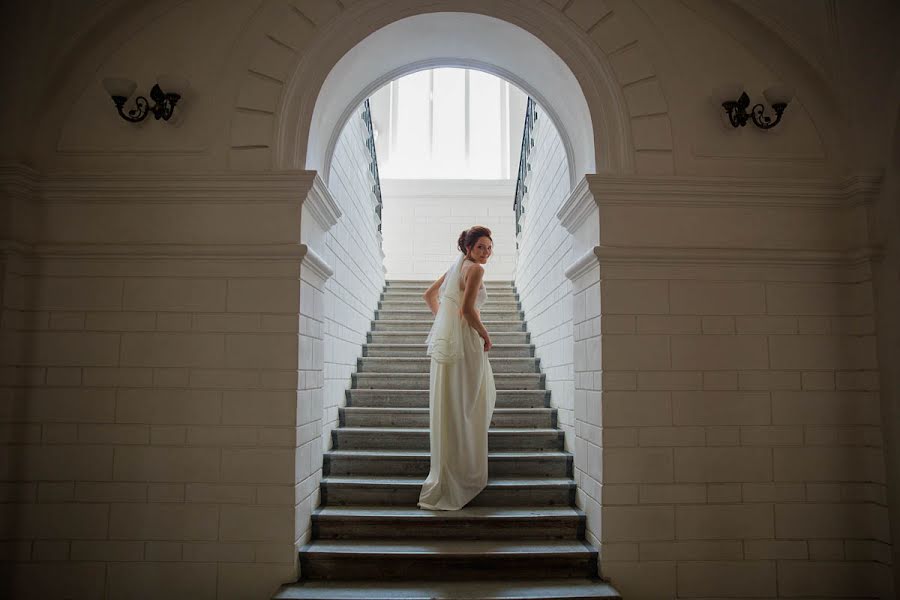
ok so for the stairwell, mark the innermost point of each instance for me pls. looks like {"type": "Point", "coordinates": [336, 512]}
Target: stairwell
{"type": "Point", "coordinates": [522, 537]}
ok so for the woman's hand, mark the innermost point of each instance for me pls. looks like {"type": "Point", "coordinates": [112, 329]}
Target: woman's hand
{"type": "Point", "coordinates": [487, 342]}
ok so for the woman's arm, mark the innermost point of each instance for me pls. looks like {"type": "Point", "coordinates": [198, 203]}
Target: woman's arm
{"type": "Point", "coordinates": [431, 294]}
{"type": "Point", "coordinates": [468, 311]}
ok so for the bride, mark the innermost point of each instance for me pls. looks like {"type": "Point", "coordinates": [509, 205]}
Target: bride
{"type": "Point", "coordinates": [462, 392]}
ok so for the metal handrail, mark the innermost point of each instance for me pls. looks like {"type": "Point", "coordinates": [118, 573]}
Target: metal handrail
{"type": "Point", "coordinates": [373, 162]}
{"type": "Point", "coordinates": [524, 165]}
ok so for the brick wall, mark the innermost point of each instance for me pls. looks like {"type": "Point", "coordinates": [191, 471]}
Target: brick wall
{"type": "Point", "coordinates": [149, 387]}
{"type": "Point", "coordinates": [545, 250]}
{"type": "Point", "coordinates": [423, 219]}
{"type": "Point", "coordinates": [736, 393]}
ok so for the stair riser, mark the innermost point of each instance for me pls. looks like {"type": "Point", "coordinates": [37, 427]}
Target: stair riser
{"type": "Point", "coordinates": [421, 286]}
{"type": "Point", "coordinates": [350, 439]}
{"type": "Point", "coordinates": [502, 381]}
{"type": "Point", "coordinates": [516, 528]}
{"type": "Point", "coordinates": [425, 326]}
{"type": "Point", "coordinates": [419, 399]}
{"type": "Point", "coordinates": [512, 566]}
{"type": "Point", "coordinates": [423, 365]}
{"type": "Point", "coordinates": [409, 496]}
{"type": "Point", "coordinates": [419, 315]}
{"type": "Point", "coordinates": [418, 337]}
{"type": "Point", "coordinates": [420, 351]}
{"type": "Point", "coordinates": [490, 305]}
{"type": "Point", "coordinates": [552, 466]}
{"type": "Point", "coordinates": [353, 419]}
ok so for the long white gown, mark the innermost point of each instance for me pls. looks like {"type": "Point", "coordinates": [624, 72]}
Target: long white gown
{"type": "Point", "coordinates": [461, 399]}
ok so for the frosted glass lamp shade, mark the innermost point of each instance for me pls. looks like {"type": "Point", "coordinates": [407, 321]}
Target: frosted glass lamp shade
{"type": "Point", "coordinates": [778, 94]}
{"type": "Point", "coordinates": [119, 86]}
{"type": "Point", "coordinates": [172, 84]}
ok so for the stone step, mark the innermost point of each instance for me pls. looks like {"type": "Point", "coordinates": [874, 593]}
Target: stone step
{"type": "Point", "coordinates": [490, 305]}
{"type": "Point", "coordinates": [353, 416]}
{"type": "Point", "coordinates": [442, 559]}
{"type": "Point", "coordinates": [338, 490]}
{"type": "Point", "coordinates": [426, 316]}
{"type": "Point", "coordinates": [425, 326]}
{"type": "Point", "coordinates": [414, 589]}
{"type": "Point", "coordinates": [414, 296]}
{"type": "Point", "coordinates": [417, 463]}
{"type": "Point", "coordinates": [419, 381]}
{"type": "Point", "coordinates": [422, 364]}
{"type": "Point", "coordinates": [416, 438]}
{"type": "Point", "coordinates": [471, 522]}
{"type": "Point", "coordinates": [419, 350]}
{"type": "Point", "coordinates": [418, 337]}
{"type": "Point", "coordinates": [419, 398]}
{"type": "Point", "coordinates": [424, 284]}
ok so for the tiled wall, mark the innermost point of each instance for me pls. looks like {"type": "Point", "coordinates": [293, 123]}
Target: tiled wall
{"type": "Point", "coordinates": [149, 394]}
{"type": "Point", "coordinates": [353, 250]}
{"type": "Point", "coordinates": [545, 250]}
{"type": "Point", "coordinates": [736, 394]}
{"type": "Point", "coordinates": [423, 220]}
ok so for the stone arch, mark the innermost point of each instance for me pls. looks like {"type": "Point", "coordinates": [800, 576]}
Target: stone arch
{"type": "Point", "coordinates": [273, 114]}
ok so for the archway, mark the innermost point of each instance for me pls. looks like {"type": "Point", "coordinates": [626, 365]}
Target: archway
{"type": "Point", "coordinates": [506, 50]}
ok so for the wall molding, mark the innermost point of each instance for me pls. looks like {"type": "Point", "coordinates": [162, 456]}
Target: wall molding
{"type": "Point", "coordinates": [732, 256]}
{"type": "Point", "coordinates": [580, 267]}
{"type": "Point", "coordinates": [321, 204]}
{"type": "Point", "coordinates": [163, 188]}
{"type": "Point", "coordinates": [689, 191]}
{"type": "Point", "coordinates": [290, 252]}
{"type": "Point", "coordinates": [315, 263]}
{"type": "Point", "coordinates": [577, 207]}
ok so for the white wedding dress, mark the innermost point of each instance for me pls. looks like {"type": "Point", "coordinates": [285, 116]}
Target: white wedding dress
{"type": "Point", "coordinates": [461, 399]}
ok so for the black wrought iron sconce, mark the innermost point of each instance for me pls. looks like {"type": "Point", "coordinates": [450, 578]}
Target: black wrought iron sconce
{"type": "Point", "coordinates": [738, 115]}
{"type": "Point", "coordinates": [120, 90]}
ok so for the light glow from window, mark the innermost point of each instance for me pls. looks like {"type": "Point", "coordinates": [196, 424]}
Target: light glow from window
{"type": "Point", "coordinates": [447, 123]}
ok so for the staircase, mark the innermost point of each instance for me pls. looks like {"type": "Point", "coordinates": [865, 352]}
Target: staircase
{"type": "Point", "coordinates": [521, 538]}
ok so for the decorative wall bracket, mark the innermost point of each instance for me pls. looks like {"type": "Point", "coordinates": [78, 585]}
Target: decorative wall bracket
{"type": "Point", "coordinates": [738, 115]}
{"type": "Point", "coordinates": [120, 89]}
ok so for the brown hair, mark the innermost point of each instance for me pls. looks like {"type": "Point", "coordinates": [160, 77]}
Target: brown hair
{"type": "Point", "coordinates": [471, 235]}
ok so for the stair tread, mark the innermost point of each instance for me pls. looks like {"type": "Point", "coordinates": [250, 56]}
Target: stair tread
{"type": "Point", "coordinates": [418, 481]}
{"type": "Point", "coordinates": [445, 547]}
{"type": "Point", "coordinates": [425, 453]}
{"type": "Point", "coordinates": [428, 358]}
{"type": "Point", "coordinates": [504, 589]}
{"type": "Point", "coordinates": [468, 512]}
{"type": "Point", "coordinates": [380, 345]}
{"type": "Point", "coordinates": [407, 410]}
{"type": "Point", "coordinates": [502, 430]}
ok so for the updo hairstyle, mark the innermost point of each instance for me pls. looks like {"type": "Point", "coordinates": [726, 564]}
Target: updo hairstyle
{"type": "Point", "coordinates": [470, 236]}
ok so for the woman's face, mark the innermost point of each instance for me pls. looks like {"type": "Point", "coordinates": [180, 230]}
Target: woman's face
{"type": "Point", "coordinates": [481, 251]}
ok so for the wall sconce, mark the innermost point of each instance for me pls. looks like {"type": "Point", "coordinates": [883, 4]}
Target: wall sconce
{"type": "Point", "coordinates": [121, 89]}
{"type": "Point", "coordinates": [777, 95]}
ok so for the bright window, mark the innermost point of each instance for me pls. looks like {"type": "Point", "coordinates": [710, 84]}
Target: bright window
{"type": "Point", "coordinates": [446, 123]}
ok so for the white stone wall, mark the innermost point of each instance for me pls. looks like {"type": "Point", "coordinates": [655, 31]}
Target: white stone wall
{"type": "Point", "coordinates": [353, 249]}
{"type": "Point", "coordinates": [545, 250]}
{"type": "Point", "coordinates": [422, 220]}
{"type": "Point", "coordinates": [737, 389]}
{"type": "Point", "coordinates": [149, 387]}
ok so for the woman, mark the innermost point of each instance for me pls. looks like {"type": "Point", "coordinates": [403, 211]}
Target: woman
{"type": "Point", "coordinates": [462, 392]}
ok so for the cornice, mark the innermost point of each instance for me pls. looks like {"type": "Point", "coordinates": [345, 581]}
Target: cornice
{"type": "Point", "coordinates": [691, 191]}
{"type": "Point", "coordinates": [314, 262]}
{"type": "Point", "coordinates": [291, 252]}
{"type": "Point", "coordinates": [321, 204]}
{"type": "Point", "coordinates": [217, 187]}
{"type": "Point", "coordinates": [734, 256]}
{"type": "Point", "coordinates": [577, 207]}
{"type": "Point", "coordinates": [581, 266]}
{"type": "Point", "coordinates": [18, 181]}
